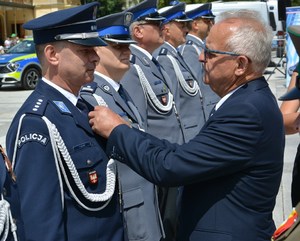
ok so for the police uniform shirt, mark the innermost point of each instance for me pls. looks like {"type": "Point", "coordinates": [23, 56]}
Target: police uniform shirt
{"type": "Point", "coordinates": [166, 125]}
{"type": "Point", "coordinates": [191, 106]}
{"type": "Point", "coordinates": [190, 52]}
{"type": "Point", "coordinates": [140, 209]}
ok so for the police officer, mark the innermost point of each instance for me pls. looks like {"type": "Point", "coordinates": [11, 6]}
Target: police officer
{"type": "Point", "coordinates": [203, 20]}
{"type": "Point", "coordinates": [151, 89]}
{"type": "Point", "coordinates": [139, 197]}
{"type": "Point", "coordinates": [66, 186]}
{"type": "Point", "coordinates": [188, 94]}
{"type": "Point", "coordinates": [147, 83]}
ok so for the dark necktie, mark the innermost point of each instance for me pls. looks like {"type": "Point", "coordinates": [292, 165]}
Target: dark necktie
{"type": "Point", "coordinates": [82, 106]}
{"type": "Point", "coordinates": [157, 64]}
{"type": "Point", "coordinates": [122, 93]}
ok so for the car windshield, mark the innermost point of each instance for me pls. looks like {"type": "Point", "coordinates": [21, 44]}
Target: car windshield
{"type": "Point", "coordinates": [25, 46]}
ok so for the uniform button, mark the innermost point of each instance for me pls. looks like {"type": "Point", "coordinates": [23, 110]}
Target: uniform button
{"type": "Point", "coordinates": [89, 162]}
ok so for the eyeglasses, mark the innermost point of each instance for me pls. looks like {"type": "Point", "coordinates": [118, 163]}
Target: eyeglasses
{"type": "Point", "coordinates": [208, 52]}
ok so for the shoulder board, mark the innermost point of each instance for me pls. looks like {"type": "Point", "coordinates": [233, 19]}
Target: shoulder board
{"type": "Point", "coordinates": [189, 42]}
{"type": "Point", "coordinates": [39, 106]}
{"type": "Point", "coordinates": [86, 94]}
{"type": "Point", "coordinates": [163, 51]}
{"type": "Point", "coordinates": [132, 59]}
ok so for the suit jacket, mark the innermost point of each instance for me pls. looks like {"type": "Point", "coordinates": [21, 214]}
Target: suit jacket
{"type": "Point", "coordinates": [36, 198]}
{"type": "Point", "coordinates": [231, 170]}
{"type": "Point", "coordinates": [190, 106]}
{"type": "Point", "coordinates": [139, 198]}
{"type": "Point", "coordinates": [190, 52]}
{"type": "Point", "coordinates": [162, 125]}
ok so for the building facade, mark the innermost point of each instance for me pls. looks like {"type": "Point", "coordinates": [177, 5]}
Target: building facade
{"type": "Point", "coordinates": [14, 13]}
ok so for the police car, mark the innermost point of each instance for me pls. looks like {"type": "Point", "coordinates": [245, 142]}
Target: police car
{"type": "Point", "coordinates": [19, 66]}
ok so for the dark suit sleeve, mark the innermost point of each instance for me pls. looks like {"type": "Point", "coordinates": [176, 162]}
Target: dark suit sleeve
{"type": "Point", "coordinates": [225, 145]}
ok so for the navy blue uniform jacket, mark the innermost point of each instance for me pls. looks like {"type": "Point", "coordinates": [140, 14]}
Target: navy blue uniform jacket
{"type": "Point", "coordinates": [231, 170]}
{"type": "Point", "coordinates": [37, 200]}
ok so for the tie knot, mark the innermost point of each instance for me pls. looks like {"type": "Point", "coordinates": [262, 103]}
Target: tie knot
{"type": "Point", "coordinates": [82, 106]}
{"type": "Point", "coordinates": [122, 93]}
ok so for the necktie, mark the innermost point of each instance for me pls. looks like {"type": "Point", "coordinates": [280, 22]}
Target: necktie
{"type": "Point", "coordinates": [122, 93]}
{"type": "Point", "coordinates": [82, 106]}
{"type": "Point", "coordinates": [157, 64]}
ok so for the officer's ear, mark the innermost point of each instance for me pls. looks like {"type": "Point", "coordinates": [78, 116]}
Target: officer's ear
{"type": "Point", "coordinates": [137, 31]}
{"type": "Point", "coordinates": [51, 54]}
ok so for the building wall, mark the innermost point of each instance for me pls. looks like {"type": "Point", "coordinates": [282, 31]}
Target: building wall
{"type": "Point", "coordinates": [14, 13]}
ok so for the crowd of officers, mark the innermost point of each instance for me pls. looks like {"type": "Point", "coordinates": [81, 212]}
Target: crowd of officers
{"type": "Point", "coordinates": [148, 71]}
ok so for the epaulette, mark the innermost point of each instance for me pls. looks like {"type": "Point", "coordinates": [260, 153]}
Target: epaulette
{"type": "Point", "coordinates": [86, 94]}
{"type": "Point", "coordinates": [132, 59]}
{"type": "Point", "coordinates": [39, 106]}
{"type": "Point", "coordinates": [189, 42]}
{"type": "Point", "coordinates": [145, 61]}
{"type": "Point", "coordinates": [163, 51]}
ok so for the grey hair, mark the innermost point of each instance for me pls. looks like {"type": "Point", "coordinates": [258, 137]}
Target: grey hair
{"type": "Point", "coordinates": [251, 40]}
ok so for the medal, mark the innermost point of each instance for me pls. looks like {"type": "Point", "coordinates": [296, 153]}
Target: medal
{"type": "Point", "coordinates": [93, 177]}
{"type": "Point", "coordinates": [164, 99]}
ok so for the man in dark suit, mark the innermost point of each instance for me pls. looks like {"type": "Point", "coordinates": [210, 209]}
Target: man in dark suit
{"type": "Point", "coordinates": [231, 170]}
{"type": "Point", "coordinates": [65, 188]}
{"type": "Point", "coordinates": [139, 204]}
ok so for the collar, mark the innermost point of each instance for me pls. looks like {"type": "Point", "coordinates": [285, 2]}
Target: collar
{"type": "Point", "coordinates": [142, 50]}
{"type": "Point", "coordinates": [113, 83]}
{"type": "Point", "coordinates": [171, 46]}
{"type": "Point", "coordinates": [194, 36]}
{"type": "Point", "coordinates": [221, 101]}
{"type": "Point", "coordinates": [71, 97]}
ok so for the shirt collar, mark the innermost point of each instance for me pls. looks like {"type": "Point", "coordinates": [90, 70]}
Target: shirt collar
{"type": "Point", "coordinates": [71, 97]}
{"type": "Point", "coordinates": [222, 100]}
{"type": "Point", "coordinates": [113, 83]}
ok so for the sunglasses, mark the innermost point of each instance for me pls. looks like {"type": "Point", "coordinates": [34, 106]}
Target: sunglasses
{"type": "Point", "coordinates": [208, 52]}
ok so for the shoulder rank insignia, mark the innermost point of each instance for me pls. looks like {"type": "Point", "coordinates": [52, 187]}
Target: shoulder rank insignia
{"type": "Point", "coordinates": [163, 51]}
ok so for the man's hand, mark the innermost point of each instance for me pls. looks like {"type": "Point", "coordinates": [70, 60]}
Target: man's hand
{"type": "Point", "coordinates": [103, 121]}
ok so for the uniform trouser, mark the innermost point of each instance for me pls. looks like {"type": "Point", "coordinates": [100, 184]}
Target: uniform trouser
{"type": "Point", "coordinates": [168, 204]}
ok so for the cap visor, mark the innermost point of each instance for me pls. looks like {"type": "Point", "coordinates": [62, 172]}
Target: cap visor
{"type": "Point", "coordinates": [207, 16]}
{"type": "Point", "coordinates": [293, 94]}
{"type": "Point", "coordinates": [182, 20]}
{"type": "Point", "coordinates": [89, 42]}
{"type": "Point", "coordinates": [120, 41]}
{"type": "Point", "coordinates": [158, 18]}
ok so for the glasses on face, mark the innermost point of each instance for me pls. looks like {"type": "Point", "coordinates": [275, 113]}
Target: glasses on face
{"type": "Point", "coordinates": [208, 52]}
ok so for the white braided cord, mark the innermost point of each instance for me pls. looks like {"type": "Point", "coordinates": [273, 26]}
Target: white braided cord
{"type": "Point", "coordinates": [151, 96]}
{"type": "Point", "coordinates": [191, 91]}
{"type": "Point", "coordinates": [93, 197]}
{"type": "Point", "coordinates": [6, 220]}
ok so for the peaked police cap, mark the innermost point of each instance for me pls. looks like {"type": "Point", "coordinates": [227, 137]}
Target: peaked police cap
{"type": "Point", "coordinates": [77, 25]}
{"type": "Point", "coordinates": [146, 10]}
{"type": "Point", "coordinates": [115, 27]}
{"type": "Point", "coordinates": [175, 13]}
{"type": "Point", "coordinates": [203, 11]}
